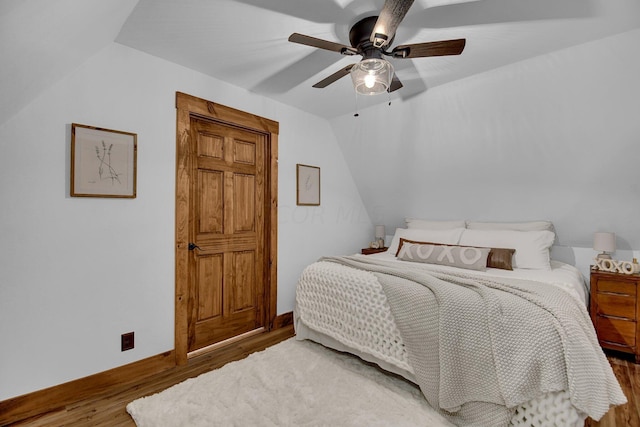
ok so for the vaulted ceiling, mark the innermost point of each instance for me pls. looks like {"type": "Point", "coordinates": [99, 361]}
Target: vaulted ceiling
{"type": "Point", "coordinates": [244, 42]}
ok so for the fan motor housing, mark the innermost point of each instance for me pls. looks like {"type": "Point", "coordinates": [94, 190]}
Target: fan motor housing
{"type": "Point", "coordinates": [360, 37]}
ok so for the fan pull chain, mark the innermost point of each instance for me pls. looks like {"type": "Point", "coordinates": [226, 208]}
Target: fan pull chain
{"type": "Point", "coordinates": [389, 93]}
{"type": "Point", "coordinates": [356, 114]}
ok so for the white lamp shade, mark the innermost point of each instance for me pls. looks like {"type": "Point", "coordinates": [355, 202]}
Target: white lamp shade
{"type": "Point", "coordinates": [604, 241]}
{"type": "Point", "coordinates": [380, 232]}
{"type": "Point", "coordinates": [372, 76]}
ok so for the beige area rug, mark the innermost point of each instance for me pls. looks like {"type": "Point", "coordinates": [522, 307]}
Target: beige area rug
{"type": "Point", "coordinates": [294, 383]}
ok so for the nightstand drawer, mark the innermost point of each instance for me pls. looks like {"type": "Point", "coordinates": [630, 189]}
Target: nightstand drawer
{"type": "Point", "coordinates": [617, 305]}
{"type": "Point", "coordinates": [617, 331]}
{"type": "Point", "coordinates": [617, 287]}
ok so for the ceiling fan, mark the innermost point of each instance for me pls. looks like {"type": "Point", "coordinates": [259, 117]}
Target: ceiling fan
{"type": "Point", "coordinates": [371, 37]}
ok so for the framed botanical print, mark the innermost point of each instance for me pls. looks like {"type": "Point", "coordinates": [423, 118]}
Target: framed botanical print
{"type": "Point", "coordinates": [103, 162]}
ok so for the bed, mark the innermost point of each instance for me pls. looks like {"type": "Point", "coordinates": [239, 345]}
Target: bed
{"type": "Point", "coordinates": [492, 338]}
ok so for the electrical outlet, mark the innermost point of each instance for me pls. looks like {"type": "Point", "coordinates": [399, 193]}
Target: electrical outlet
{"type": "Point", "coordinates": [127, 341]}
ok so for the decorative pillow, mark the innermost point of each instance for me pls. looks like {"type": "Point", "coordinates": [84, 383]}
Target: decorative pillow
{"type": "Point", "coordinates": [448, 237]}
{"type": "Point", "coordinates": [498, 257]}
{"type": "Point", "coordinates": [433, 225]}
{"type": "Point", "coordinates": [532, 247]}
{"type": "Point", "coordinates": [501, 258]}
{"type": "Point", "coordinates": [514, 226]}
{"type": "Point", "coordinates": [453, 256]}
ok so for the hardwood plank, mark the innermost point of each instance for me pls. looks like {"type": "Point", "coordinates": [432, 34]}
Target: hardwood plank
{"type": "Point", "coordinates": [53, 398]}
{"type": "Point", "coordinates": [625, 415]}
{"type": "Point", "coordinates": [628, 375]}
{"type": "Point", "coordinates": [634, 379]}
{"type": "Point", "coordinates": [108, 407]}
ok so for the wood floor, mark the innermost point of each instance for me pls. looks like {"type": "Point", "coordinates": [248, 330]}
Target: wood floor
{"type": "Point", "coordinates": [108, 408]}
{"type": "Point", "coordinates": [628, 374]}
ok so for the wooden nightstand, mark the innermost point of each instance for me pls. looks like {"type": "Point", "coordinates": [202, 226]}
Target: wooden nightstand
{"type": "Point", "coordinates": [369, 251]}
{"type": "Point", "coordinates": [615, 308]}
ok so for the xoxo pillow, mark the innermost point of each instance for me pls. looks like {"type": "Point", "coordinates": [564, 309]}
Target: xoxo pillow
{"type": "Point", "coordinates": [454, 256]}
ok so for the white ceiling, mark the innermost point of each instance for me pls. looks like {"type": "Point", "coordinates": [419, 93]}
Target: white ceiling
{"type": "Point", "coordinates": [244, 42]}
{"type": "Point", "coordinates": [41, 41]}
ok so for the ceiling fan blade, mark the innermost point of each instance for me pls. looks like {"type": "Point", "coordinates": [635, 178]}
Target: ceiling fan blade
{"type": "Point", "coordinates": [298, 72]}
{"type": "Point", "coordinates": [391, 15]}
{"type": "Point", "coordinates": [395, 83]}
{"type": "Point", "coordinates": [420, 50]}
{"type": "Point", "coordinates": [334, 77]}
{"type": "Point", "coordinates": [322, 44]}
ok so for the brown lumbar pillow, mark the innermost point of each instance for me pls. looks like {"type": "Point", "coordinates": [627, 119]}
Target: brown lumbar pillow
{"type": "Point", "coordinates": [498, 257]}
{"type": "Point", "coordinates": [454, 256]}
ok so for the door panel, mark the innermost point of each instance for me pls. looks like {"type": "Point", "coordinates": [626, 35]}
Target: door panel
{"type": "Point", "coordinates": [244, 190]}
{"type": "Point", "coordinates": [229, 263]}
{"type": "Point", "coordinates": [244, 285]}
{"type": "Point", "coordinates": [209, 287]}
{"type": "Point", "coordinates": [244, 152]}
{"type": "Point", "coordinates": [210, 202]}
{"type": "Point", "coordinates": [210, 145]}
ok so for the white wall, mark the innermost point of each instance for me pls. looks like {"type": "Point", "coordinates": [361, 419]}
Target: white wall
{"type": "Point", "coordinates": [553, 137]}
{"type": "Point", "coordinates": [76, 273]}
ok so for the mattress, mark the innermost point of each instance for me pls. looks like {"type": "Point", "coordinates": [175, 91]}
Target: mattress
{"type": "Point", "coordinates": [354, 316]}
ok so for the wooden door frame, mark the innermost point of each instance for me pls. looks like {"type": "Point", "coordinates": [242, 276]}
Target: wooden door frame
{"type": "Point", "coordinates": [188, 106]}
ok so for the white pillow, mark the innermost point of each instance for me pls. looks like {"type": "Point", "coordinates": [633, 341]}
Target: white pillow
{"type": "Point", "coordinates": [448, 237]}
{"type": "Point", "coordinates": [532, 247]}
{"type": "Point", "coordinates": [515, 226]}
{"type": "Point", "coordinates": [425, 224]}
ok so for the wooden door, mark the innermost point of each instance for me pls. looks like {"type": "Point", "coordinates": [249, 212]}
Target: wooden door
{"type": "Point", "coordinates": [227, 208]}
{"type": "Point", "coordinates": [228, 268]}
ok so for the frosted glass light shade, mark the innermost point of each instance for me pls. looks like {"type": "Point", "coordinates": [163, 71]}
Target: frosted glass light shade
{"type": "Point", "coordinates": [372, 76]}
{"type": "Point", "coordinates": [605, 242]}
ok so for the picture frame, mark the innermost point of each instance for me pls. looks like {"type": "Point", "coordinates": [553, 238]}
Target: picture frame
{"type": "Point", "coordinates": [308, 185]}
{"type": "Point", "coordinates": [103, 162]}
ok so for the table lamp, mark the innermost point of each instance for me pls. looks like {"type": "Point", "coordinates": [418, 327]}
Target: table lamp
{"type": "Point", "coordinates": [605, 242]}
{"type": "Point", "coordinates": [380, 235]}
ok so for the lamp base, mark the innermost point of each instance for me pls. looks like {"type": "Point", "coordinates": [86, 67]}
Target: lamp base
{"type": "Point", "coordinates": [604, 255]}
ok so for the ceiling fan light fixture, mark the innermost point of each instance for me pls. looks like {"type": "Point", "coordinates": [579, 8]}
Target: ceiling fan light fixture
{"type": "Point", "coordinates": [372, 76]}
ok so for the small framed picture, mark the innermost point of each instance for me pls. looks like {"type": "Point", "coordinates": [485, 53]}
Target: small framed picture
{"type": "Point", "coordinates": [308, 185]}
{"type": "Point", "coordinates": [103, 162]}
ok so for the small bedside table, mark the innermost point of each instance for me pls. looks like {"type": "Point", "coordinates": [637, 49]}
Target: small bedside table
{"type": "Point", "coordinates": [615, 308]}
{"type": "Point", "coordinates": [369, 251]}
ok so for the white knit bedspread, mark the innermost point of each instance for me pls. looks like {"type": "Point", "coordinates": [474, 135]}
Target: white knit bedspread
{"type": "Point", "coordinates": [350, 306]}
